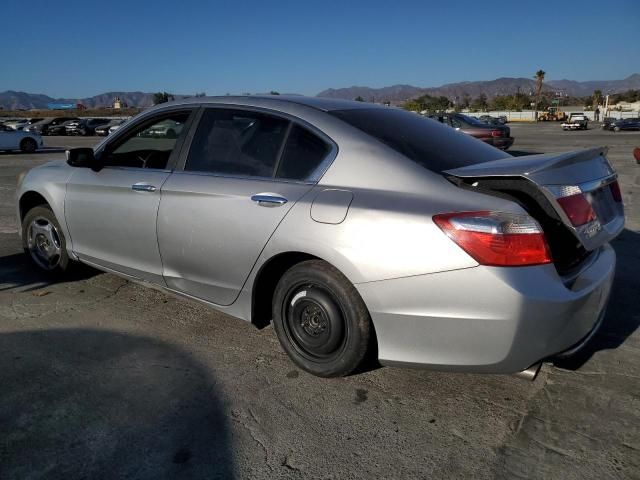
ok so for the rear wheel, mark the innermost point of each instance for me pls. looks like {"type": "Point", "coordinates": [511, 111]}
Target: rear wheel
{"type": "Point", "coordinates": [321, 320]}
{"type": "Point", "coordinates": [616, 129]}
{"type": "Point", "coordinates": [43, 240]}
{"type": "Point", "coordinates": [28, 145]}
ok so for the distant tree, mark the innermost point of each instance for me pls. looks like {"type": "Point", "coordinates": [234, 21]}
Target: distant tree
{"type": "Point", "coordinates": [480, 103]}
{"type": "Point", "coordinates": [201, 94]}
{"type": "Point", "coordinates": [520, 101]}
{"type": "Point", "coordinates": [428, 103]}
{"type": "Point", "coordinates": [466, 100]}
{"type": "Point", "coordinates": [500, 102]}
{"type": "Point", "coordinates": [273, 92]}
{"type": "Point", "coordinates": [162, 97]}
{"type": "Point", "coordinates": [539, 76]}
{"type": "Point", "coordinates": [412, 106]}
{"type": "Point", "coordinates": [359, 99]}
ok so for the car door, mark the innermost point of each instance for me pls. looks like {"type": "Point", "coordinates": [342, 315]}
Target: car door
{"type": "Point", "coordinates": [243, 172]}
{"type": "Point", "coordinates": [7, 138]}
{"type": "Point", "coordinates": [111, 214]}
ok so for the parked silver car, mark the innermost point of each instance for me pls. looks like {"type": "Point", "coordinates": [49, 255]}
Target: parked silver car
{"type": "Point", "coordinates": [355, 228]}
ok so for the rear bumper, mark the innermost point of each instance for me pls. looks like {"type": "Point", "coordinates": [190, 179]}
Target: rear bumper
{"type": "Point", "coordinates": [487, 319]}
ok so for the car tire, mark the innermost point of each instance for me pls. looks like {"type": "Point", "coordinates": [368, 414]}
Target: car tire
{"type": "Point", "coordinates": [28, 145]}
{"type": "Point", "coordinates": [616, 129]}
{"type": "Point", "coordinates": [320, 319]}
{"type": "Point", "coordinates": [44, 241]}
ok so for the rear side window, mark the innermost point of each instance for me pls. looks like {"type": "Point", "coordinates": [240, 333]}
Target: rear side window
{"type": "Point", "coordinates": [432, 145]}
{"type": "Point", "coordinates": [235, 142]}
{"type": "Point", "coordinates": [303, 153]}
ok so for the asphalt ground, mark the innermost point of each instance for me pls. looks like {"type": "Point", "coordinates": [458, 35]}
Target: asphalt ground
{"type": "Point", "coordinates": [103, 378]}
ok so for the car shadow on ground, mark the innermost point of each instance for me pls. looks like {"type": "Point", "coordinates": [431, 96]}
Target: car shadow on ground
{"type": "Point", "coordinates": [621, 319]}
{"type": "Point", "coordinates": [20, 273]}
{"type": "Point", "coordinates": [101, 404]}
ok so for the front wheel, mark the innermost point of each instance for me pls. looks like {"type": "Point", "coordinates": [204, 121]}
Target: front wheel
{"type": "Point", "coordinates": [43, 240]}
{"type": "Point", "coordinates": [320, 319]}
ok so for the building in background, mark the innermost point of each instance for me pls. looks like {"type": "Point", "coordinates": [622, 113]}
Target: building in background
{"type": "Point", "coordinates": [118, 104]}
{"type": "Point", "coordinates": [61, 106]}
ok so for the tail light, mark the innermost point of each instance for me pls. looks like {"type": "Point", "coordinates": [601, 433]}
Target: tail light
{"type": "Point", "coordinates": [497, 133]}
{"type": "Point", "coordinates": [496, 238]}
{"type": "Point", "coordinates": [574, 203]}
{"type": "Point", "coordinates": [615, 191]}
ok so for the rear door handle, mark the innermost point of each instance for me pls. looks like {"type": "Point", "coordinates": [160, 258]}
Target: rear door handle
{"type": "Point", "coordinates": [268, 200]}
{"type": "Point", "coordinates": [143, 187]}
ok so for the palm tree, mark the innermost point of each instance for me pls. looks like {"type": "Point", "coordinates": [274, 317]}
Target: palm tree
{"type": "Point", "coordinates": [539, 80]}
{"type": "Point", "coordinates": [597, 97]}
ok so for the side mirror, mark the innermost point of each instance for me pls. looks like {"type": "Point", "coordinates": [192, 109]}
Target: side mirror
{"type": "Point", "coordinates": [84, 158]}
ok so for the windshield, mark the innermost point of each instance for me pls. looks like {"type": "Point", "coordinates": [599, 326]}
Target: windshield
{"type": "Point", "coordinates": [427, 142]}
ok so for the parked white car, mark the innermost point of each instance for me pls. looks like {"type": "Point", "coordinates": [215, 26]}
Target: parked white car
{"type": "Point", "coordinates": [17, 124]}
{"type": "Point", "coordinates": [11, 139]}
{"type": "Point", "coordinates": [113, 128]}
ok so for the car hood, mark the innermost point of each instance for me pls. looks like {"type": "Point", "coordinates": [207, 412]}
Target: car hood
{"type": "Point", "coordinates": [51, 164]}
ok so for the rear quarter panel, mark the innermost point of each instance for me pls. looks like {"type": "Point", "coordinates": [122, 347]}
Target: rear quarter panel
{"type": "Point", "coordinates": [385, 234]}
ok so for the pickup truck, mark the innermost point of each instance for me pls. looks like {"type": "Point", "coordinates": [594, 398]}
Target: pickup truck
{"type": "Point", "coordinates": [577, 121]}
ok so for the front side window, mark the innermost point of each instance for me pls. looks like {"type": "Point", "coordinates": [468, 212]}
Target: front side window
{"type": "Point", "coordinates": [149, 145]}
{"type": "Point", "coordinates": [236, 142]}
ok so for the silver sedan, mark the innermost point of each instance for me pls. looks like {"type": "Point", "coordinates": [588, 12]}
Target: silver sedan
{"type": "Point", "coordinates": [356, 229]}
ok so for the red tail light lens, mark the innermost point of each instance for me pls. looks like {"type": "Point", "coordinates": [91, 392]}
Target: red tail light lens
{"type": "Point", "coordinates": [578, 209]}
{"type": "Point", "coordinates": [497, 239]}
{"type": "Point", "coordinates": [497, 133]}
{"type": "Point", "coordinates": [615, 191]}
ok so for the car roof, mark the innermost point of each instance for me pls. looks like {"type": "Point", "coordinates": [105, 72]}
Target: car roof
{"type": "Point", "coordinates": [318, 103]}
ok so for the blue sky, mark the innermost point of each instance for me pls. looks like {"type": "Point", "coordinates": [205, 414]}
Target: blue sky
{"type": "Point", "coordinates": [78, 48]}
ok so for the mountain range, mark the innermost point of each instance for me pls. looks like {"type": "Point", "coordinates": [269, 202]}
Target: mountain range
{"type": "Point", "coordinates": [491, 88]}
{"type": "Point", "coordinates": [12, 100]}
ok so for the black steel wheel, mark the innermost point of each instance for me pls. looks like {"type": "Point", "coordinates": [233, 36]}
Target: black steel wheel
{"type": "Point", "coordinates": [320, 319]}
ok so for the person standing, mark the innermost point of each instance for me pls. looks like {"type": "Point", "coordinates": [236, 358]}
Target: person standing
{"type": "Point", "coordinates": [597, 113]}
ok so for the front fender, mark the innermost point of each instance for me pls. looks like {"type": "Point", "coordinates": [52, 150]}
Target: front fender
{"type": "Point", "coordinates": [50, 182]}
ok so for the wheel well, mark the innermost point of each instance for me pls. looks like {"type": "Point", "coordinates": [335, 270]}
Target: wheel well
{"type": "Point", "coordinates": [265, 283]}
{"type": "Point", "coordinates": [30, 200]}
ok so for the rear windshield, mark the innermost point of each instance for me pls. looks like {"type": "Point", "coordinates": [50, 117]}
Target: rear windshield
{"type": "Point", "coordinates": [473, 120]}
{"type": "Point", "coordinates": [432, 145]}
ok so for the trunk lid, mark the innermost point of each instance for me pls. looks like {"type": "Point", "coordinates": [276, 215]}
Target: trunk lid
{"type": "Point", "coordinates": [553, 187]}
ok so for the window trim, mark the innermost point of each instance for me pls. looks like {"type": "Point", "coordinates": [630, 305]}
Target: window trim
{"type": "Point", "coordinates": [149, 120]}
{"type": "Point", "coordinates": [322, 168]}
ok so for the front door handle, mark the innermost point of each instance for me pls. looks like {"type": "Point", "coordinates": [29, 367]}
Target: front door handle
{"type": "Point", "coordinates": [268, 200]}
{"type": "Point", "coordinates": [143, 187]}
